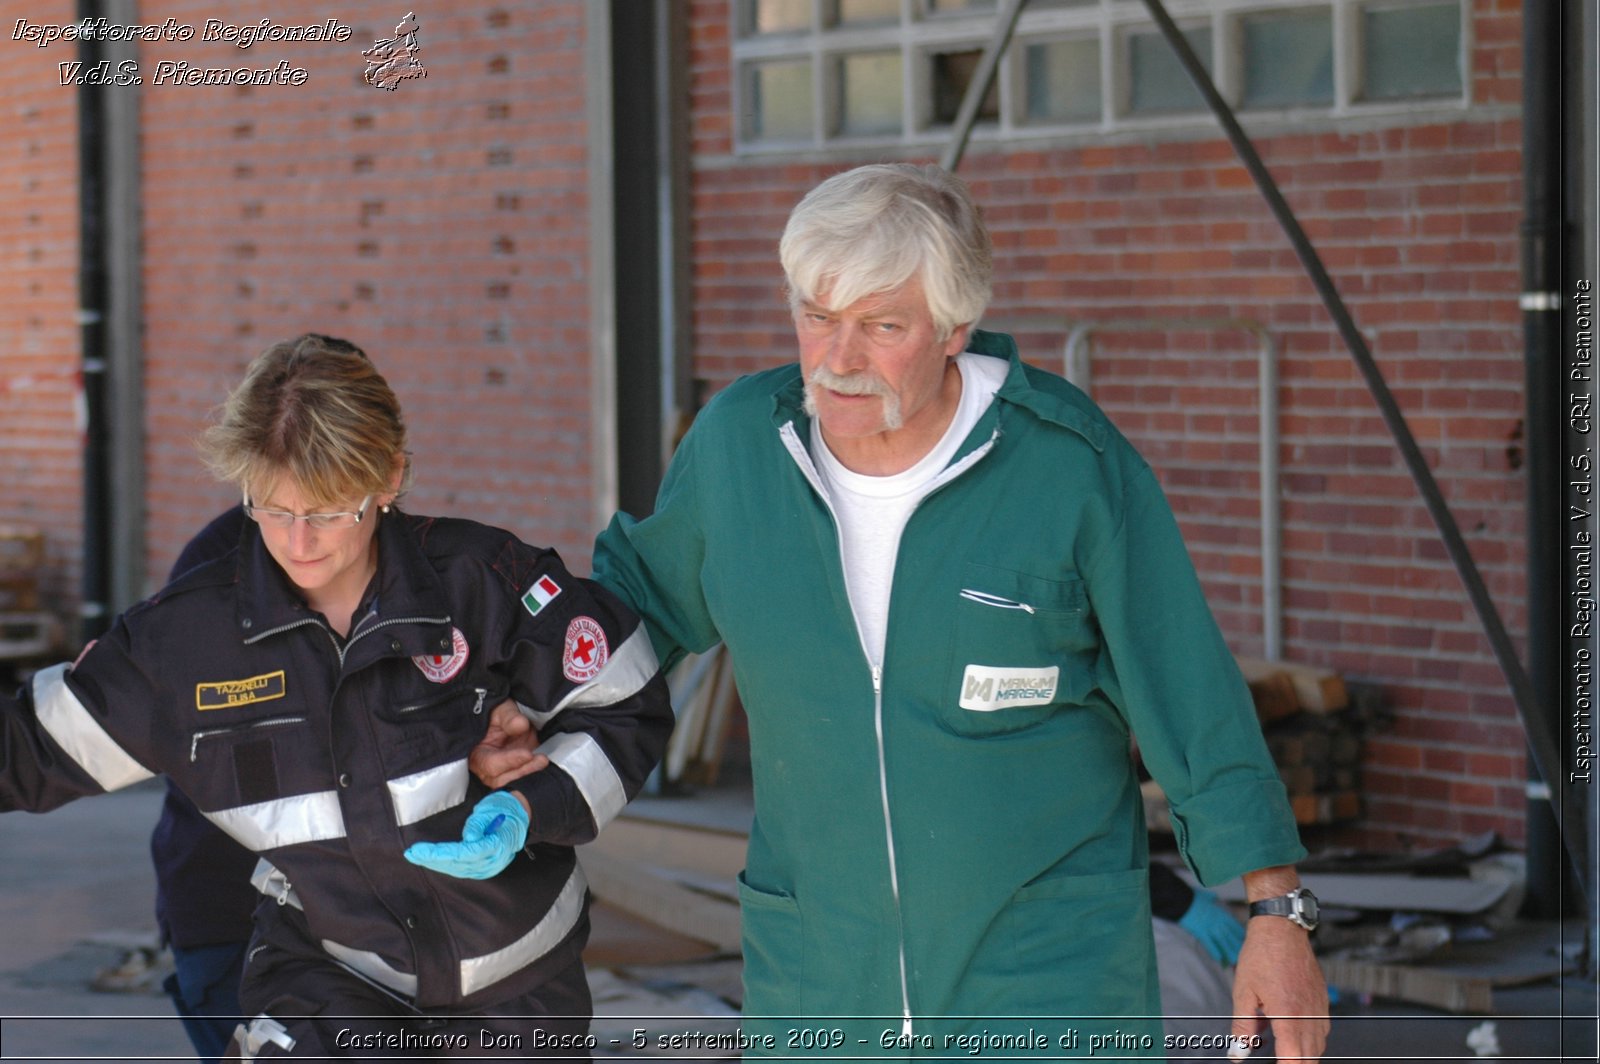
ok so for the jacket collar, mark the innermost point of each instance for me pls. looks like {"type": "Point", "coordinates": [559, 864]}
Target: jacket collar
{"type": "Point", "coordinates": [1017, 391]}
{"type": "Point", "coordinates": [407, 585]}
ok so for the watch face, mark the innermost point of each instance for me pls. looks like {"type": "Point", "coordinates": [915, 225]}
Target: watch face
{"type": "Point", "coordinates": [1306, 907]}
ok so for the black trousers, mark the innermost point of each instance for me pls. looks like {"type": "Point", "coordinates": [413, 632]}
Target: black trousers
{"type": "Point", "coordinates": [311, 1008]}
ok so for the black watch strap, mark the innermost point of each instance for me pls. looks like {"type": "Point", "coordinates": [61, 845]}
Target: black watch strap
{"type": "Point", "coordinates": [1299, 907]}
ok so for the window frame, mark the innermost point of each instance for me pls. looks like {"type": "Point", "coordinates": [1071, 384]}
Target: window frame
{"type": "Point", "coordinates": [920, 32]}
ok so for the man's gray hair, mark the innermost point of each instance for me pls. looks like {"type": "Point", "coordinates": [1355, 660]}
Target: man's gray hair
{"type": "Point", "coordinates": [870, 229]}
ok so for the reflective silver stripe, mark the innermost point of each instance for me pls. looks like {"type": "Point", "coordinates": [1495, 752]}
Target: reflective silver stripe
{"type": "Point", "coordinates": [274, 884]}
{"type": "Point", "coordinates": [283, 821]}
{"type": "Point", "coordinates": [479, 972]}
{"type": "Point", "coordinates": [580, 757]}
{"type": "Point", "coordinates": [373, 967]}
{"type": "Point", "coordinates": [476, 972]}
{"type": "Point", "coordinates": [630, 667]}
{"type": "Point", "coordinates": [73, 727]}
{"type": "Point", "coordinates": [534, 716]}
{"type": "Point", "coordinates": [422, 794]}
{"type": "Point", "coordinates": [261, 1030]}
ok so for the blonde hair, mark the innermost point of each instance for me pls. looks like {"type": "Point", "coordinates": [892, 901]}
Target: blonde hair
{"type": "Point", "coordinates": [870, 229]}
{"type": "Point", "coordinates": [313, 410]}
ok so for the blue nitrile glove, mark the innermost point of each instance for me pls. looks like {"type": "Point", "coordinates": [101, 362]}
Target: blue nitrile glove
{"type": "Point", "coordinates": [1217, 929]}
{"type": "Point", "coordinates": [492, 836]}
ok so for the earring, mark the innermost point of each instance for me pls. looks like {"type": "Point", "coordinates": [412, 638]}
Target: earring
{"type": "Point", "coordinates": [384, 507]}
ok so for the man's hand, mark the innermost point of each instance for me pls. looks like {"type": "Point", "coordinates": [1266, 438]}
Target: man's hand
{"type": "Point", "coordinates": [1278, 977]}
{"type": "Point", "coordinates": [507, 751]}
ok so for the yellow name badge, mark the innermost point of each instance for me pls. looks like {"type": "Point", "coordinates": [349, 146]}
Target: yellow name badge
{"type": "Point", "coordinates": [229, 693]}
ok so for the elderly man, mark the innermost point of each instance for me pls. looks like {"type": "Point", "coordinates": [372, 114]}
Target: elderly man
{"type": "Point", "coordinates": [951, 589]}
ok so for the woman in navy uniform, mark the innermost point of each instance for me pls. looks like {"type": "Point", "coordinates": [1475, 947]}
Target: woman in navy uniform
{"type": "Point", "coordinates": [316, 693]}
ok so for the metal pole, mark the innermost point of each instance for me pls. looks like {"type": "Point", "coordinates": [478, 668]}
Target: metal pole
{"type": "Point", "coordinates": [1076, 360]}
{"type": "Point", "coordinates": [978, 87]}
{"type": "Point", "coordinates": [92, 287]}
{"type": "Point", "coordinates": [1541, 234]}
{"type": "Point", "coordinates": [1543, 747]}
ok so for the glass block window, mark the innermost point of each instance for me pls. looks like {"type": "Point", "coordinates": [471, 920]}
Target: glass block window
{"type": "Point", "coordinates": [1157, 82]}
{"type": "Point", "coordinates": [951, 74]}
{"type": "Point", "coordinates": [1288, 58]}
{"type": "Point", "coordinates": [775, 16]}
{"type": "Point", "coordinates": [959, 5]}
{"type": "Point", "coordinates": [1061, 81]}
{"type": "Point", "coordinates": [860, 11]}
{"type": "Point", "coordinates": [818, 73]}
{"type": "Point", "coordinates": [870, 96]}
{"type": "Point", "coordinates": [778, 101]}
{"type": "Point", "coordinates": [1412, 51]}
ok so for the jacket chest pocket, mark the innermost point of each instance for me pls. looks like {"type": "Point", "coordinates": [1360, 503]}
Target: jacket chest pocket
{"type": "Point", "coordinates": [435, 725]}
{"type": "Point", "coordinates": [1022, 647]}
{"type": "Point", "coordinates": [252, 755]}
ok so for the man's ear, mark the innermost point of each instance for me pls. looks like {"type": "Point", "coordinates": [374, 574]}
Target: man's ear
{"type": "Point", "coordinates": [957, 342]}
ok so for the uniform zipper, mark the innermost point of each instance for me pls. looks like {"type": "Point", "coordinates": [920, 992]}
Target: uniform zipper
{"type": "Point", "coordinates": [802, 458]}
{"type": "Point", "coordinates": [477, 707]}
{"type": "Point", "coordinates": [360, 634]}
{"type": "Point", "coordinates": [894, 876]}
{"type": "Point", "coordinates": [194, 742]}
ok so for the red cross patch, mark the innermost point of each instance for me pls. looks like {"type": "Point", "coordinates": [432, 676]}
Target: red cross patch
{"type": "Point", "coordinates": [585, 652]}
{"type": "Point", "coordinates": [442, 668]}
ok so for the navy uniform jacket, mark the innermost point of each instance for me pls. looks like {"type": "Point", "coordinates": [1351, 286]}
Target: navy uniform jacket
{"type": "Point", "coordinates": [203, 891]}
{"type": "Point", "coordinates": [328, 757]}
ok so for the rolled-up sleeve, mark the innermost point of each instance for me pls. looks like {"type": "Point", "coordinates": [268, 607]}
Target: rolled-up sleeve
{"type": "Point", "coordinates": [1174, 678]}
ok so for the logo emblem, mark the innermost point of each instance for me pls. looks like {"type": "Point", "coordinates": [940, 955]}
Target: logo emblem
{"type": "Point", "coordinates": [442, 668]}
{"type": "Point", "coordinates": [539, 595]}
{"type": "Point", "coordinates": [225, 694]}
{"type": "Point", "coordinates": [585, 651]}
{"type": "Point", "coordinates": [392, 60]}
{"type": "Point", "coordinates": [985, 689]}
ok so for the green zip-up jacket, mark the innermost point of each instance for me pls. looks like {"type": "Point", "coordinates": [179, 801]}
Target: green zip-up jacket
{"type": "Point", "coordinates": [955, 845]}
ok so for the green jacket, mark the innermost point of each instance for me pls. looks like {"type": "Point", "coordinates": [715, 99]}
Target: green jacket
{"type": "Point", "coordinates": [961, 835]}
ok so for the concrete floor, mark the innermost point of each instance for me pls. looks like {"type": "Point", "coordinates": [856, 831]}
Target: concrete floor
{"type": "Point", "coordinates": [81, 876]}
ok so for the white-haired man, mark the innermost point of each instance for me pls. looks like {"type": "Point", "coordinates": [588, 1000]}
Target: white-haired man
{"type": "Point", "coordinates": [950, 589]}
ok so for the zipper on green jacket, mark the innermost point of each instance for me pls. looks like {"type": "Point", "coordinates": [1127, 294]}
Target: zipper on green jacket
{"type": "Point", "coordinates": [802, 458]}
{"type": "Point", "coordinates": [894, 875]}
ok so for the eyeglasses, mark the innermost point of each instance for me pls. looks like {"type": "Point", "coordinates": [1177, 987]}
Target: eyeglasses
{"type": "Point", "coordinates": [321, 522]}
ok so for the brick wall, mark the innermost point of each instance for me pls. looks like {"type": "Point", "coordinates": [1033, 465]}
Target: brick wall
{"type": "Point", "coordinates": [442, 226]}
{"type": "Point", "coordinates": [1416, 221]}
{"type": "Point", "coordinates": [40, 445]}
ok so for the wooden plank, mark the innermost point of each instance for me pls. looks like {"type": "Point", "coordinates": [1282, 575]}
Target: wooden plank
{"type": "Point", "coordinates": [1298, 779]}
{"type": "Point", "coordinates": [688, 686]}
{"type": "Point", "coordinates": [18, 591]}
{"type": "Point", "coordinates": [1318, 690]}
{"type": "Point", "coordinates": [1435, 987]}
{"type": "Point", "coordinates": [21, 549]}
{"type": "Point", "coordinates": [617, 936]}
{"type": "Point", "coordinates": [1327, 807]}
{"type": "Point", "coordinates": [721, 697]}
{"type": "Point", "coordinates": [26, 635]}
{"type": "Point", "coordinates": [692, 849]}
{"type": "Point", "coordinates": [661, 899]}
{"type": "Point", "coordinates": [1271, 689]}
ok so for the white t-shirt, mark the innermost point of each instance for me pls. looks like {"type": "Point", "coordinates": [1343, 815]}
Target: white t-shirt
{"type": "Point", "coordinates": [872, 511]}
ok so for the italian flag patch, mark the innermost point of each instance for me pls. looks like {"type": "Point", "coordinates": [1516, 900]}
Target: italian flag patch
{"type": "Point", "coordinates": [539, 595]}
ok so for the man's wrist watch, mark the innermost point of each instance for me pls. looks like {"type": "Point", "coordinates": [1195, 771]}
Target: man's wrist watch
{"type": "Point", "coordinates": [1299, 907]}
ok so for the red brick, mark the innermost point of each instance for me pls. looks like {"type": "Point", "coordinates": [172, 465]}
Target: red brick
{"type": "Point", "coordinates": [1418, 223]}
